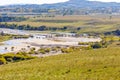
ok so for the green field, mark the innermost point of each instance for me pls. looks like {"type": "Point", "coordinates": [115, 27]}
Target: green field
{"type": "Point", "coordinates": [88, 23]}
{"type": "Point", "coordinates": [93, 64]}
{"type": "Point", "coordinates": [4, 38]}
{"type": "Point", "coordinates": [98, 64]}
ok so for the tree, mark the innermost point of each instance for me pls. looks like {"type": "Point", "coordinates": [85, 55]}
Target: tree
{"type": "Point", "coordinates": [2, 33]}
{"type": "Point", "coordinates": [2, 60]}
{"type": "Point", "coordinates": [96, 45]}
{"type": "Point", "coordinates": [42, 28]}
{"type": "Point", "coordinates": [5, 48]}
{"type": "Point", "coordinates": [12, 48]}
{"type": "Point", "coordinates": [78, 28]}
{"type": "Point", "coordinates": [28, 47]}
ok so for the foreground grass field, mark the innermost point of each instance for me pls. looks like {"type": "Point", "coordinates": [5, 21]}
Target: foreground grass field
{"type": "Point", "coordinates": [99, 64]}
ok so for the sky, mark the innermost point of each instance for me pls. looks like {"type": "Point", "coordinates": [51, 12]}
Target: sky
{"type": "Point", "coordinates": [7, 2]}
{"type": "Point", "coordinates": [107, 0]}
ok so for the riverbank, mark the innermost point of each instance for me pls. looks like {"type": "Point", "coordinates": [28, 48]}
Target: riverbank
{"type": "Point", "coordinates": [17, 45]}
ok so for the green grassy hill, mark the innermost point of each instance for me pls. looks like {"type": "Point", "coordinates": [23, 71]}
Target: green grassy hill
{"type": "Point", "coordinates": [87, 23]}
{"type": "Point", "coordinates": [100, 64]}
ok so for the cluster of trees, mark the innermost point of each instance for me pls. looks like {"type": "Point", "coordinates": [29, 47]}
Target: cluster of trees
{"type": "Point", "coordinates": [116, 32]}
{"type": "Point", "coordinates": [61, 11]}
{"type": "Point", "coordinates": [95, 45]}
{"type": "Point", "coordinates": [48, 50]}
{"type": "Point", "coordinates": [67, 49]}
{"type": "Point", "coordinates": [11, 57]}
{"type": "Point", "coordinates": [41, 28]}
{"type": "Point", "coordinates": [11, 19]}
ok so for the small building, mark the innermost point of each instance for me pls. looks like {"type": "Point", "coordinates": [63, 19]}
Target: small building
{"type": "Point", "coordinates": [66, 34]}
{"type": "Point", "coordinates": [39, 36]}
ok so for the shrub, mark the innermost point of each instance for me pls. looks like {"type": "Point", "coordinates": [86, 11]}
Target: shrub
{"type": "Point", "coordinates": [42, 51]}
{"type": "Point", "coordinates": [9, 55]}
{"type": "Point", "coordinates": [105, 44]}
{"type": "Point", "coordinates": [96, 45]}
{"type": "Point", "coordinates": [18, 58]}
{"type": "Point", "coordinates": [33, 49]}
{"type": "Point", "coordinates": [83, 43]}
{"type": "Point", "coordinates": [55, 49]}
{"type": "Point", "coordinates": [31, 52]}
{"type": "Point", "coordinates": [47, 50]}
{"type": "Point", "coordinates": [88, 47]}
{"type": "Point", "coordinates": [9, 59]}
{"type": "Point", "coordinates": [22, 53]}
{"type": "Point", "coordinates": [65, 50]}
{"type": "Point", "coordinates": [2, 60]}
{"type": "Point", "coordinates": [12, 48]}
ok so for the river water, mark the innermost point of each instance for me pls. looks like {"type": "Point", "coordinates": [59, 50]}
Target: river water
{"type": "Point", "coordinates": [18, 44]}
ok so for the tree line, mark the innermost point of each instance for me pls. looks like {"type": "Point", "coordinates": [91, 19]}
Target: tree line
{"type": "Point", "coordinates": [11, 19]}
{"type": "Point", "coordinates": [116, 32]}
{"type": "Point", "coordinates": [39, 28]}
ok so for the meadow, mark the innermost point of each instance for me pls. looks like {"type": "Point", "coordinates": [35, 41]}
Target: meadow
{"type": "Point", "coordinates": [88, 23]}
{"type": "Point", "coordinates": [5, 38]}
{"type": "Point", "coordinates": [94, 64]}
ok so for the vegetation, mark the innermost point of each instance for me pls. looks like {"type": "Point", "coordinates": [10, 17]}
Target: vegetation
{"type": "Point", "coordinates": [96, 45]}
{"type": "Point", "coordinates": [79, 7]}
{"type": "Point", "coordinates": [11, 19]}
{"type": "Point", "coordinates": [75, 23]}
{"type": "Point", "coordinates": [40, 28]}
{"type": "Point", "coordinates": [5, 37]}
{"type": "Point", "coordinates": [116, 32]}
{"type": "Point", "coordinates": [95, 61]}
{"type": "Point", "coordinates": [11, 57]}
{"type": "Point", "coordinates": [100, 64]}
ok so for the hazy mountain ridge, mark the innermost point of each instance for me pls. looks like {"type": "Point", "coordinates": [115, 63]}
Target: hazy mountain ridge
{"type": "Point", "coordinates": [71, 4]}
{"type": "Point", "coordinates": [82, 4]}
{"type": "Point", "coordinates": [65, 8]}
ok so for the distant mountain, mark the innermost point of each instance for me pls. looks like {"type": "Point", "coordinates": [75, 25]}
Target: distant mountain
{"type": "Point", "coordinates": [81, 4]}
{"type": "Point", "coordinates": [69, 7]}
{"type": "Point", "coordinates": [72, 4]}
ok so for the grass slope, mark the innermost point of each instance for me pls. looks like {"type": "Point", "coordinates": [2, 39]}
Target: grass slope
{"type": "Point", "coordinates": [101, 64]}
{"type": "Point", "coordinates": [88, 23]}
{"type": "Point", "coordinates": [4, 38]}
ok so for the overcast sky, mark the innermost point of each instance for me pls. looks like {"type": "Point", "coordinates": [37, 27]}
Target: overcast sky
{"type": "Point", "coordinates": [7, 2]}
{"type": "Point", "coordinates": [107, 0]}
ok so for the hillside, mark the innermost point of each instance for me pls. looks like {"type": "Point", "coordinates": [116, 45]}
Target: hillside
{"type": "Point", "coordinates": [100, 64]}
{"type": "Point", "coordinates": [71, 4]}
{"type": "Point", "coordinates": [86, 23]}
{"type": "Point", "coordinates": [69, 7]}
{"type": "Point", "coordinates": [82, 4]}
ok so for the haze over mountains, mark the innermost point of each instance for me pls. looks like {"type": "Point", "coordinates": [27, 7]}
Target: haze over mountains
{"type": "Point", "coordinates": [69, 7]}
{"type": "Point", "coordinates": [82, 4]}
{"type": "Point", "coordinates": [76, 4]}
